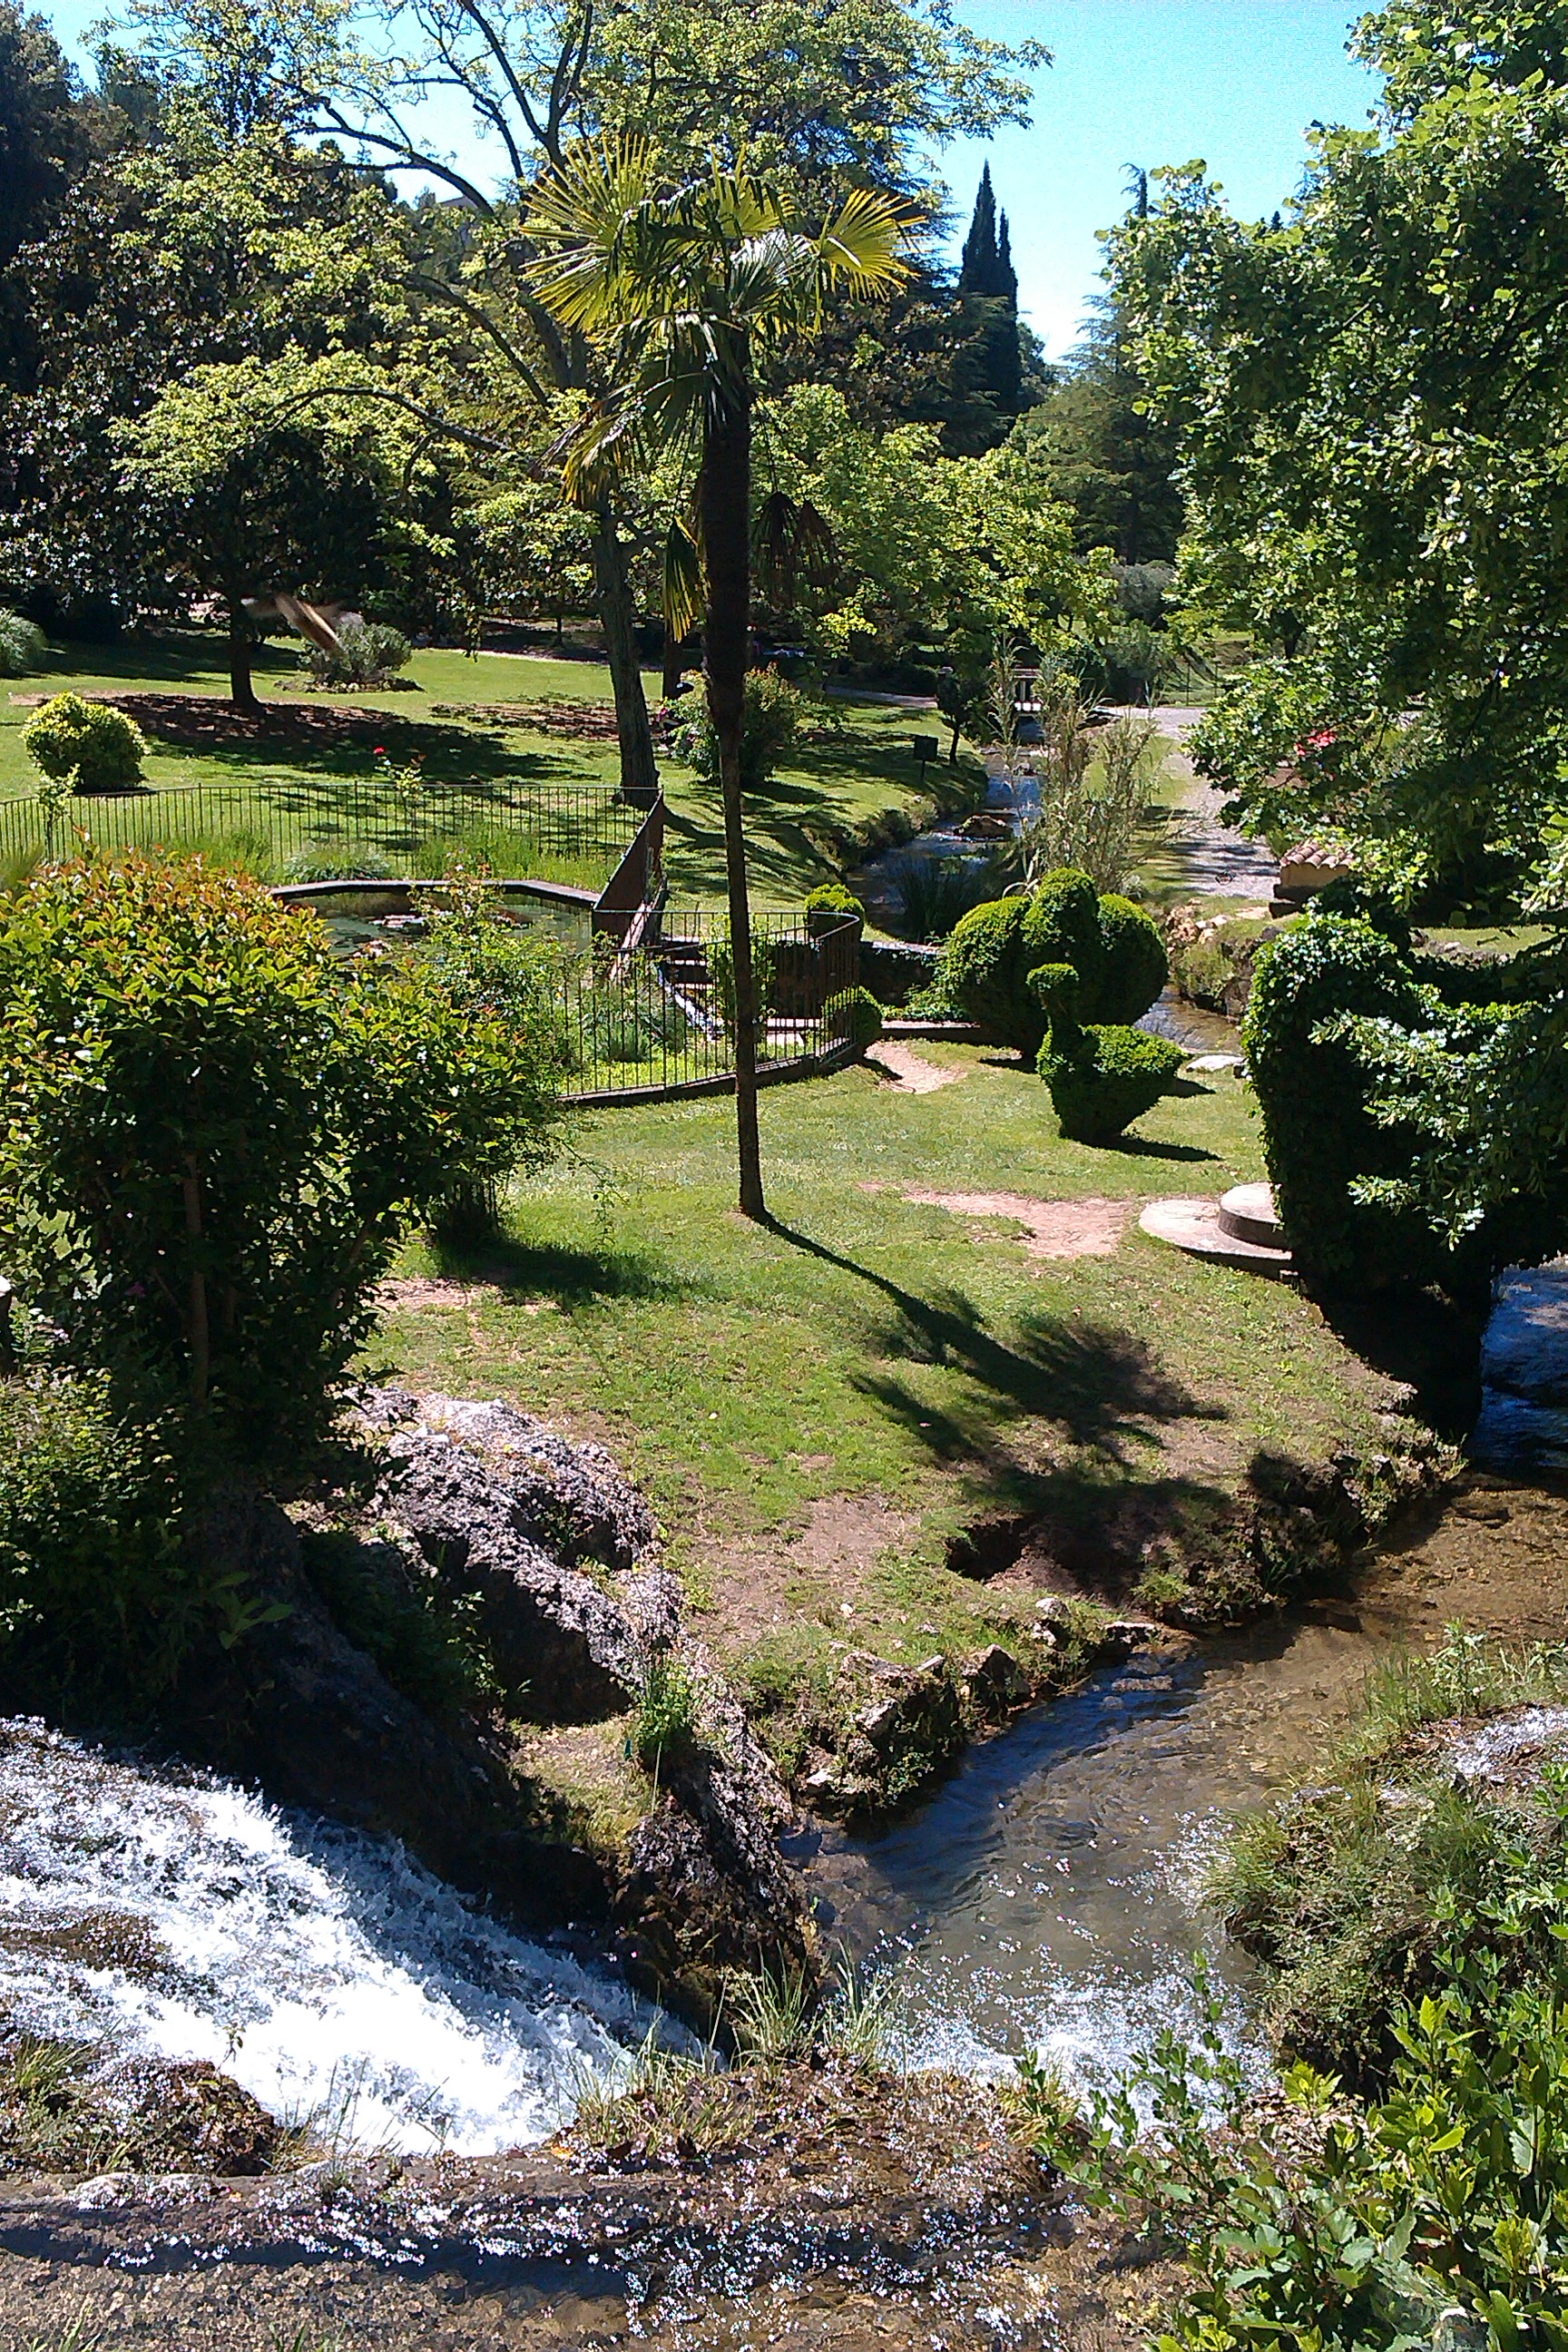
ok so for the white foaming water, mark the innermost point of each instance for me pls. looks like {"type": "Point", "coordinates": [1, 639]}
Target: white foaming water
{"type": "Point", "coordinates": [326, 1972]}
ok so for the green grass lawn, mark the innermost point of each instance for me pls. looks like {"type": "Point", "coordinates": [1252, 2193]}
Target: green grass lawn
{"type": "Point", "coordinates": [800, 833]}
{"type": "Point", "coordinates": [818, 1406]}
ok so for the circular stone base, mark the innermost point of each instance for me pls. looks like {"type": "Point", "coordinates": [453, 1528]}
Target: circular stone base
{"type": "Point", "coordinates": [1194, 1225]}
{"type": "Point", "coordinates": [1247, 1213]}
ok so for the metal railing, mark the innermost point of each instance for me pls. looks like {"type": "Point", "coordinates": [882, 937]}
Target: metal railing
{"type": "Point", "coordinates": [662, 1017]}
{"type": "Point", "coordinates": [296, 830]}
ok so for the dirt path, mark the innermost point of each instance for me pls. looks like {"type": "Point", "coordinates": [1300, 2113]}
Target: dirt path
{"type": "Point", "coordinates": [910, 1071]}
{"type": "Point", "coordinates": [1195, 850]}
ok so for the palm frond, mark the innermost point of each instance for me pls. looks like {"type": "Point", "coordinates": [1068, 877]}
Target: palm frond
{"type": "Point", "coordinates": [792, 547]}
{"type": "Point", "coordinates": [859, 243]}
{"type": "Point", "coordinates": [682, 583]}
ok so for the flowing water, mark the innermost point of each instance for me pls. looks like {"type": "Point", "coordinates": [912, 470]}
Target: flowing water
{"type": "Point", "coordinates": [326, 1972]}
{"type": "Point", "coordinates": [1050, 1898]}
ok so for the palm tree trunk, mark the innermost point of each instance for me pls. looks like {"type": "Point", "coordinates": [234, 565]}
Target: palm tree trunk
{"type": "Point", "coordinates": [725, 494]}
{"type": "Point", "coordinates": [639, 772]}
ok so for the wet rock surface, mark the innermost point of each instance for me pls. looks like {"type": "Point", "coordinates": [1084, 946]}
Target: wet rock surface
{"type": "Point", "coordinates": [833, 2208]}
{"type": "Point", "coordinates": [480, 1490]}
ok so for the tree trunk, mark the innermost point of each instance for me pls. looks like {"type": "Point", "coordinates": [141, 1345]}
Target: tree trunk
{"type": "Point", "coordinates": [639, 772]}
{"type": "Point", "coordinates": [241, 692]}
{"type": "Point", "coordinates": [725, 492]}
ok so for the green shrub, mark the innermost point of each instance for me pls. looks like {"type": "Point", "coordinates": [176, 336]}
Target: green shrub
{"type": "Point", "coordinates": [23, 646]}
{"type": "Point", "coordinates": [367, 653]}
{"type": "Point", "coordinates": [1318, 1135]}
{"type": "Point", "coordinates": [1062, 925]}
{"type": "Point", "coordinates": [1104, 1077]}
{"type": "Point", "coordinates": [771, 723]}
{"type": "Point", "coordinates": [211, 1144]}
{"type": "Point", "coordinates": [1136, 966]}
{"type": "Point", "coordinates": [834, 898]}
{"type": "Point", "coordinates": [859, 1013]}
{"type": "Point", "coordinates": [984, 970]}
{"type": "Point", "coordinates": [100, 746]}
{"type": "Point", "coordinates": [94, 1601]}
{"type": "Point", "coordinates": [1435, 2215]}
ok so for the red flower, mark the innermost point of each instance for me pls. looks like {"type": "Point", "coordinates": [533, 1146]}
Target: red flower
{"type": "Point", "coordinates": [381, 750]}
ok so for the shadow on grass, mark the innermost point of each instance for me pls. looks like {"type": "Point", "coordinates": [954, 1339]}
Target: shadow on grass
{"type": "Point", "coordinates": [575, 1278]}
{"type": "Point", "coordinates": [1147, 1147]}
{"type": "Point", "coordinates": [1424, 1341]}
{"type": "Point", "coordinates": [1100, 1386]}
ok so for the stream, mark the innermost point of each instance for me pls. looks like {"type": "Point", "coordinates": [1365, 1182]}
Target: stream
{"type": "Point", "coordinates": [1047, 1898]}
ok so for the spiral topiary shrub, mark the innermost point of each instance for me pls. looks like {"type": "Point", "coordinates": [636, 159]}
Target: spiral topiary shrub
{"type": "Point", "coordinates": [861, 1015]}
{"type": "Point", "coordinates": [100, 746]}
{"type": "Point", "coordinates": [1136, 966]}
{"type": "Point", "coordinates": [1102, 1075]}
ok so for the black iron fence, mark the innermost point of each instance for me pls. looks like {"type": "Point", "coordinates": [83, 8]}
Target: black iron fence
{"type": "Point", "coordinates": [664, 1015]}
{"type": "Point", "coordinates": [293, 829]}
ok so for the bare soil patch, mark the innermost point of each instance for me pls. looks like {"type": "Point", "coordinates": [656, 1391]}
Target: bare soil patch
{"type": "Point", "coordinates": [421, 1291]}
{"type": "Point", "coordinates": [1091, 1228]}
{"type": "Point", "coordinates": [910, 1071]}
{"type": "Point", "coordinates": [844, 1538]}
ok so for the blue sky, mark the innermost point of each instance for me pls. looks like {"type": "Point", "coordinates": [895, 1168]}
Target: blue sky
{"type": "Point", "coordinates": [1134, 82]}
{"type": "Point", "coordinates": [1151, 82]}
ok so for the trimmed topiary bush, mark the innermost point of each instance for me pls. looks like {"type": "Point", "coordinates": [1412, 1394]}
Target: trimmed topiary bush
{"type": "Point", "coordinates": [1102, 1075]}
{"type": "Point", "coordinates": [861, 1014]}
{"type": "Point", "coordinates": [1318, 1135]}
{"type": "Point", "coordinates": [1063, 927]}
{"type": "Point", "coordinates": [834, 898]}
{"type": "Point", "coordinates": [100, 746]}
{"type": "Point", "coordinates": [985, 969]}
{"type": "Point", "coordinates": [1113, 947]}
{"type": "Point", "coordinates": [1136, 965]}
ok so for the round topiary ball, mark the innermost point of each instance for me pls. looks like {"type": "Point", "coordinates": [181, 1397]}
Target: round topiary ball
{"type": "Point", "coordinates": [100, 746]}
{"type": "Point", "coordinates": [1136, 966]}
{"type": "Point", "coordinates": [1062, 925]}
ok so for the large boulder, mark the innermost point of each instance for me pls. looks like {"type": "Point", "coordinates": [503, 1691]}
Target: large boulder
{"type": "Point", "coordinates": [297, 1708]}
{"type": "Point", "coordinates": [500, 1508]}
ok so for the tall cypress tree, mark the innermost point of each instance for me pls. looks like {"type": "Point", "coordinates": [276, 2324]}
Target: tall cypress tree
{"type": "Point", "coordinates": [977, 271]}
{"type": "Point", "coordinates": [990, 364]}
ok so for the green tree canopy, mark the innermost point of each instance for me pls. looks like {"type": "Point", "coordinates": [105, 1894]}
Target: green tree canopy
{"type": "Point", "coordinates": [260, 478]}
{"type": "Point", "coordinates": [943, 554]}
{"type": "Point", "coordinates": [1370, 395]}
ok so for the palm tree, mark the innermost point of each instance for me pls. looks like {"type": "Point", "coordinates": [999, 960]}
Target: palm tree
{"type": "Point", "coordinates": [684, 287]}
